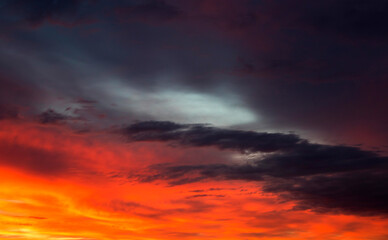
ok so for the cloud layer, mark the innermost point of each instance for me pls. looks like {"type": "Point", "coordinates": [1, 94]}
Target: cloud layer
{"type": "Point", "coordinates": [323, 178]}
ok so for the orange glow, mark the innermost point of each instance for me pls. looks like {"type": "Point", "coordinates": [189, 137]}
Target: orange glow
{"type": "Point", "coordinates": [86, 195]}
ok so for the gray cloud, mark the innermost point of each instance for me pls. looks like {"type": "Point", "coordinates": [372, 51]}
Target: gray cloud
{"type": "Point", "coordinates": [204, 135]}
{"type": "Point", "coordinates": [51, 116]}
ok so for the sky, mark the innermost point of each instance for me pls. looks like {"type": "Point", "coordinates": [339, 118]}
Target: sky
{"type": "Point", "coordinates": [193, 119]}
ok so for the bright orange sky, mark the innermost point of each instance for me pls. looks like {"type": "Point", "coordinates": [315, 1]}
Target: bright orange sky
{"type": "Point", "coordinates": [86, 195]}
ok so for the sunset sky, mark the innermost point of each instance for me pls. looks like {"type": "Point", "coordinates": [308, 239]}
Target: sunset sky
{"type": "Point", "coordinates": [193, 119]}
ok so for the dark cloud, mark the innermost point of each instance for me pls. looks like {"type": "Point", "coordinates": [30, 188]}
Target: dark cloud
{"type": "Point", "coordinates": [356, 192]}
{"type": "Point", "coordinates": [85, 101]}
{"type": "Point", "coordinates": [204, 135]}
{"type": "Point", "coordinates": [210, 189]}
{"type": "Point", "coordinates": [363, 193]}
{"type": "Point", "coordinates": [51, 116]}
{"type": "Point", "coordinates": [309, 159]}
{"type": "Point", "coordinates": [324, 178]}
{"type": "Point", "coordinates": [205, 195]}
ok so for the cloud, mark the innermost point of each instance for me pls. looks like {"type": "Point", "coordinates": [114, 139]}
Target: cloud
{"type": "Point", "coordinates": [364, 192]}
{"type": "Point", "coordinates": [205, 195]}
{"type": "Point", "coordinates": [51, 116]}
{"type": "Point", "coordinates": [204, 135]}
{"type": "Point", "coordinates": [307, 65]}
{"type": "Point", "coordinates": [323, 178]}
